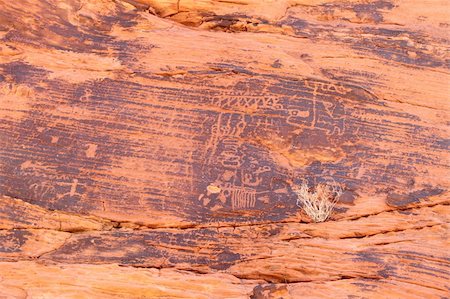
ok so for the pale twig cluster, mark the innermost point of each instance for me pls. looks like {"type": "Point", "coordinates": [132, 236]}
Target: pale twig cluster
{"type": "Point", "coordinates": [318, 203]}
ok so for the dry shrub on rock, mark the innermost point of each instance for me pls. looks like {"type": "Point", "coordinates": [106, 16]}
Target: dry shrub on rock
{"type": "Point", "coordinates": [318, 203]}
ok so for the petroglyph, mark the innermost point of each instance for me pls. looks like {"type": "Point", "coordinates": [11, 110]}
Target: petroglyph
{"type": "Point", "coordinates": [253, 178]}
{"type": "Point", "coordinates": [32, 166]}
{"type": "Point", "coordinates": [227, 161]}
{"type": "Point", "coordinates": [229, 125]}
{"type": "Point", "coordinates": [242, 198]}
{"type": "Point", "coordinates": [223, 144]}
{"type": "Point", "coordinates": [50, 185]}
{"type": "Point", "coordinates": [249, 102]}
{"type": "Point", "coordinates": [326, 87]}
{"type": "Point", "coordinates": [230, 162]}
{"type": "Point", "coordinates": [15, 96]}
{"type": "Point", "coordinates": [72, 191]}
{"type": "Point", "coordinates": [73, 187]}
{"type": "Point", "coordinates": [90, 151]}
{"type": "Point", "coordinates": [41, 190]}
{"type": "Point", "coordinates": [250, 180]}
{"type": "Point", "coordinates": [319, 112]}
{"type": "Point", "coordinates": [213, 189]}
{"type": "Point", "coordinates": [300, 118]}
{"type": "Point", "coordinates": [229, 155]}
{"type": "Point", "coordinates": [86, 96]}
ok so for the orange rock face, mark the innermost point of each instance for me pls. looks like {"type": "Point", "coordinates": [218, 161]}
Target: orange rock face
{"type": "Point", "coordinates": [151, 148]}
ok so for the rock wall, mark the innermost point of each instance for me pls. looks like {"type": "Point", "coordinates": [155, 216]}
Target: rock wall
{"type": "Point", "coordinates": [151, 148]}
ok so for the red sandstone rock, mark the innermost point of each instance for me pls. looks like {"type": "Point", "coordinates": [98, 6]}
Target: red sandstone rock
{"type": "Point", "coordinates": [150, 148]}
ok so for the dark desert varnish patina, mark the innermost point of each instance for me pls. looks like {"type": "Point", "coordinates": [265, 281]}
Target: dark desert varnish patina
{"type": "Point", "coordinates": [161, 135]}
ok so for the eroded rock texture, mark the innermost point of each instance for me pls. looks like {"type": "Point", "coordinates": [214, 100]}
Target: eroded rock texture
{"type": "Point", "coordinates": [150, 148]}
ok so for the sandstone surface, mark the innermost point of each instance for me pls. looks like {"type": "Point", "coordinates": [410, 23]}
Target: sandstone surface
{"type": "Point", "coordinates": [150, 148]}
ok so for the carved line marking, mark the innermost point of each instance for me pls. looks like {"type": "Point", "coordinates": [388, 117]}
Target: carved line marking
{"type": "Point", "coordinates": [243, 198]}
{"type": "Point", "coordinates": [73, 187]}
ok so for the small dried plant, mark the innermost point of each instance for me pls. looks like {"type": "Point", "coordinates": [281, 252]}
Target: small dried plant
{"type": "Point", "coordinates": [318, 203]}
